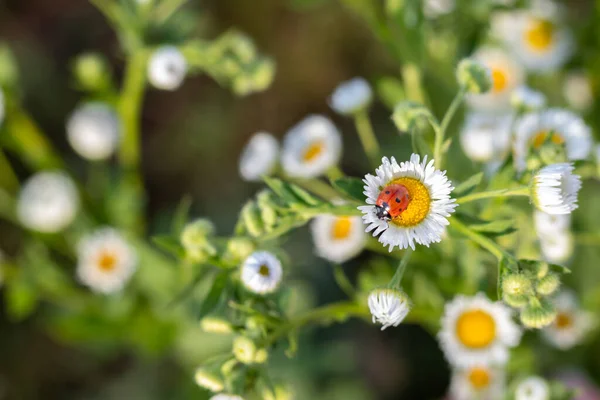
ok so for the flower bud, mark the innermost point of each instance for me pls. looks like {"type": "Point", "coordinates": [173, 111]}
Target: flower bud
{"type": "Point", "coordinates": [474, 76]}
{"type": "Point", "coordinates": [266, 203]}
{"type": "Point", "coordinates": [194, 239]}
{"type": "Point", "coordinates": [516, 300]}
{"type": "Point", "coordinates": [516, 284]}
{"type": "Point", "coordinates": [251, 217]}
{"type": "Point", "coordinates": [548, 284]}
{"type": "Point", "coordinates": [552, 153]}
{"type": "Point", "coordinates": [238, 249]}
{"type": "Point", "coordinates": [406, 113]}
{"type": "Point", "coordinates": [279, 393]}
{"type": "Point", "coordinates": [538, 313]}
{"type": "Point", "coordinates": [263, 74]}
{"type": "Point", "coordinates": [91, 71]}
{"type": "Point", "coordinates": [215, 325]}
{"type": "Point", "coordinates": [9, 70]}
{"type": "Point", "coordinates": [261, 356]}
{"type": "Point", "coordinates": [209, 380]}
{"type": "Point", "coordinates": [244, 350]}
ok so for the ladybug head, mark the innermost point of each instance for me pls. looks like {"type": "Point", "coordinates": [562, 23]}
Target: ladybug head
{"type": "Point", "coordinates": [382, 212]}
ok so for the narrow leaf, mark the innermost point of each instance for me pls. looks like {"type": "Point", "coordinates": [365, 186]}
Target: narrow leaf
{"type": "Point", "coordinates": [180, 216]}
{"type": "Point", "coordinates": [214, 295]}
{"type": "Point", "coordinates": [351, 187]}
{"type": "Point", "coordinates": [169, 244]}
{"type": "Point", "coordinates": [469, 185]}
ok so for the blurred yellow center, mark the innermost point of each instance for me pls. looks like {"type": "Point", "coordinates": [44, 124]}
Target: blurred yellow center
{"type": "Point", "coordinates": [563, 321]}
{"type": "Point", "coordinates": [313, 151]}
{"type": "Point", "coordinates": [479, 378]}
{"type": "Point", "coordinates": [476, 329]}
{"type": "Point", "coordinates": [107, 262]}
{"type": "Point", "coordinates": [420, 201]}
{"type": "Point", "coordinates": [540, 35]}
{"type": "Point", "coordinates": [540, 138]}
{"type": "Point", "coordinates": [499, 79]}
{"type": "Point", "coordinates": [263, 270]}
{"type": "Point", "coordinates": [341, 228]}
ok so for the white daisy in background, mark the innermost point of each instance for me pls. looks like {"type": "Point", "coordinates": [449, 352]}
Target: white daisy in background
{"type": "Point", "coordinates": [167, 68]}
{"type": "Point", "coordinates": [351, 96]}
{"type": "Point", "coordinates": [525, 98]}
{"type": "Point", "coordinates": [557, 248]}
{"type": "Point", "coordinates": [564, 128]}
{"type": "Point", "coordinates": [436, 8]}
{"type": "Point", "coordinates": [486, 137]}
{"type": "Point", "coordinates": [93, 131]}
{"type": "Point", "coordinates": [105, 261]}
{"type": "Point", "coordinates": [48, 202]}
{"type": "Point", "coordinates": [223, 396]}
{"type": "Point", "coordinates": [261, 273]}
{"type": "Point", "coordinates": [572, 323]}
{"type": "Point", "coordinates": [388, 307]}
{"type": "Point", "coordinates": [548, 224]}
{"type": "Point", "coordinates": [507, 75]}
{"type": "Point", "coordinates": [480, 382]}
{"type": "Point", "coordinates": [477, 331]}
{"type": "Point", "coordinates": [424, 219]}
{"type": "Point", "coordinates": [533, 388]}
{"type": "Point", "coordinates": [338, 238]}
{"type": "Point", "coordinates": [577, 90]}
{"type": "Point", "coordinates": [554, 189]}
{"type": "Point", "coordinates": [259, 157]}
{"type": "Point", "coordinates": [311, 147]}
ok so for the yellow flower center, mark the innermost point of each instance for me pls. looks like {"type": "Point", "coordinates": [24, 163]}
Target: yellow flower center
{"type": "Point", "coordinates": [313, 151]}
{"type": "Point", "coordinates": [563, 321]}
{"type": "Point", "coordinates": [420, 201]}
{"type": "Point", "coordinates": [479, 378]}
{"type": "Point", "coordinates": [476, 329]}
{"type": "Point", "coordinates": [540, 35]}
{"type": "Point", "coordinates": [499, 79]}
{"type": "Point", "coordinates": [341, 228]}
{"type": "Point", "coordinates": [540, 138]}
{"type": "Point", "coordinates": [264, 270]}
{"type": "Point", "coordinates": [107, 261]}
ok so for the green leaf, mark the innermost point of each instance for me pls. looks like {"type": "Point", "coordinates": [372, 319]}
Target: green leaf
{"type": "Point", "coordinates": [469, 185]}
{"type": "Point", "coordinates": [351, 187]}
{"type": "Point", "coordinates": [214, 295]}
{"type": "Point", "coordinates": [169, 244]}
{"type": "Point", "coordinates": [281, 189]}
{"type": "Point", "coordinates": [559, 269]}
{"type": "Point", "coordinates": [290, 352]}
{"type": "Point", "coordinates": [426, 292]}
{"type": "Point", "coordinates": [496, 228]}
{"type": "Point", "coordinates": [180, 216]}
{"type": "Point", "coordinates": [22, 298]}
{"type": "Point", "coordinates": [304, 196]}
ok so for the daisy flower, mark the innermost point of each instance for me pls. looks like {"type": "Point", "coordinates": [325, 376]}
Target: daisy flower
{"type": "Point", "coordinates": [548, 224]}
{"type": "Point", "coordinates": [167, 68]}
{"type": "Point", "coordinates": [223, 396]}
{"type": "Point", "coordinates": [48, 202]}
{"type": "Point", "coordinates": [427, 203]}
{"type": "Point", "coordinates": [566, 128]}
{"type": "Point", "coordinates": [477, 331]}
{"type": "Point", "coordinates": [388, 307]}
{"type": "Point", "coordinates": [338, 238]}
{"type": "Point", "coordinates": [525, 98]}
{"type": "Point", "coordinates": [105, 261]}
{"type": "Point", "coordinates": [351, 96]}
{"type": "Point", "coordinates": [480, 382]}
{"type": "Point", "coordinates": [533, 388]}
{"type": "Point", "coordinates": [557, 248]}
{"type": "Point", "coordinates": [507, 75]}
{"type": "Point", "coordinates": [554, 189]}
{"type": "Point", "coordinates": [261, 272]}
{"type": "Point", "coordinates": [311, 147]}
{"type": "Point", "coordinates": [259, 157]}
{"type": "Point", "coordinates": [571, 324]}
{"type": "Point", "coordinates": [577, 90]}
{"type": "Point", "coordinates": [486, 137]}
{"type": "Point", "coordinates": [93, 131]}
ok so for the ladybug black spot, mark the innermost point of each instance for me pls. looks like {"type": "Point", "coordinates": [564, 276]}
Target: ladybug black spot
{"type": "Point", "coordinates": [397, 200]}
{"type": "Point", "coordinates": [387, 192]}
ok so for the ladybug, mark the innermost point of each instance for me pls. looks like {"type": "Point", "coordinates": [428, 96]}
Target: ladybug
{"type": "Point", "coordinates": [392, 201]}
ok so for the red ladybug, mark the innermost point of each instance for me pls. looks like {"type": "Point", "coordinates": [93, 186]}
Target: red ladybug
{"type": "Point", "coordinates": [392, 201]}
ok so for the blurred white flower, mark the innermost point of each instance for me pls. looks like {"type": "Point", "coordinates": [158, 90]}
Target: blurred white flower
{"type": "Point", "coordinates": [486, 137]}
{"type": "Point", "coordinates": [167, 68]}
{"type": "Point", "coordinates": [436, 8]}
{"type": "Point", "coordinates": [261, 273]}
{"type": "Point", "coordinates": [476, 331]}
{"type": "Point", "coordinates": [557, 248]}
{"type": "Point", "coordinates": [481, 382]}
{"type": "Point", "coordinates": [525, 98]}
{"type": "Point", "coordinates": [548, 224]}
{"type": "Point", "coordinates": [351, 96]}
{"type": "Point", "coordinates": [48, 202]}
{"type": "Point", "coordinates": [572, 323]}
{"type": "Point", "coordinates": [388, 307]}
{"type": "Point", "coordinates": [105, 261]}
{"type": "Point", "coordinates": [259, 157]}
{"type": "Point", "coordinates": [338, 238]}
{"type": "Point", "coordinates": [533, 388]}
{"type": "Point", "coordinates": [554, 189]}
{"type": "Point", "coordinates": [93, 131]}
{"type": "Point", "coordinates": [577, 90]}
{"type": "Point", "coordinates": [311, 147]}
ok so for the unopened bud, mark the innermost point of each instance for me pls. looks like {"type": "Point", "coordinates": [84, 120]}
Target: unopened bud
{"type": "Point", "coordinates": [548, 284]}
{"type": "Point", "coordinates": [407, 113]}
{"type": "Point", "coordinates": [516, 284]}
{"type": "Point", "coordinates": [474, 76]}
{"type": "Point", "coordinates": [251, 217]}
{"type": "Point", "coordinates": [215, 325]}
{"type": "Point", "coordinates": [194, 239]}
{"type": "Point", "coordinates": [244, 350]}
{"type": "Point", "coordinates": [9, 70]}
{"type": "Point", "coordinates": [91, 71]}
{"type": "Point", "coordinates": [238, 249]}
{"type": "Point", "coordinates": [279, 393]}
{"type": "Point", "coordinates": [516, 300]}
{"type": "Point", "coordinates": [266, 203]}
{"type": "Point", "coordinates": [208, 380]}
{"type": "Point", "coordinates": [538, 313]}
{"type": "Point", "coordinates": [263, 74]}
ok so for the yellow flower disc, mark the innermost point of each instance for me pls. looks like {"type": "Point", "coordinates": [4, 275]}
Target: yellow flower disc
{"type": "Point", "coordinates": [313, 151]}
{"type": "Point", "coordinates": [476, 329]}
{"type": "Point", "coordinates": [107, 262]}
{"type": "Point", "coordinates": [539, 138]}
{"type": "Point", "coordinates": [420, 201]}
{"type": "Point", "coordinates": [540, 35]}
{"type": "Point", "coordinates": [264, 270]}
{"type": "Point", "coordinates": [563, 321]}
{"type": "Point", "coordinates": [341, 228]}
{"type": "Point", "coordinates": [479, 378]}
{"type": "Point", "coordinates": [499, 79]}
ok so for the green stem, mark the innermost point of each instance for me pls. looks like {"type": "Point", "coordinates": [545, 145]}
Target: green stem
{"type": "Point", "coordinates": [367, 137]}
{"type": "Point", "coordinates": [411, 77]}
{"type": "Point", "coordinates": [334, 173]}
{"type": "Point", "coordinates": [481, 240]}
{"type": "Point", "coordinates": [522, 191]}
{"type": "Point", "coordinates": [343, 282]}
{"type": "Point", "coordinates": [440, 132]}
{"type": "Point", "coordinates": [8, 178]}
{"type": "Point", "coordinates": [397, 278]}
{"type": "Point", "coordinates": [317, 187]}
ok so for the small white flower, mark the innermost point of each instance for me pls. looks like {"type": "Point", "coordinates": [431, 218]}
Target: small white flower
{"type": "Point", "coordinates": [572, 323]}
{"type": "Point", "coordinates": [548, 224]}
{"type": "Point", "coordinates": [223, 396]}
{"type": "Point", "coordinates": [259, 157]}
{"type": "Point", "coordinates": [351, 96]}
{"type": "Point", "coordinates": [565, 128]}
{"type": "Point", "coordinates": [436, 8]}
{"type": "Point", "coordinates": [528, 99]}
{"type": "Point", "coordinates": [311, 147]}
{"type": "Point", "coordinates": [554, 189]}
{"type": "Point", "coordinates": [261, 272]}
{"type": "Point", "coordinates": [577, 90]}
{"type": "Point", "coordinates": [93, 131]}
{"type": "Point", "coordinates": [48, 202]}
{"type": "Point", "coordinates": [533, 388]}
{"type": "Point", "coordinates": [167, 68]}
{"type": "Point", "coordinates": [486, 137]}
{"type": "Point", "coordinates": [388, 307]}
{"type": "Point", "coordinates": [557, 248]}
{"type": "Point", "coordinates": [481, 382]}
{"type": "Point", "coordinates": [105, 261]}
{"type": "Point", "coordinates": [338, 238]}
{"type": "Point", "coordinates": [507, 75]}
{"type": "Point", "coordinates": [476, 331]}
{"type": "Point", "coordinates": [424, 219]}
